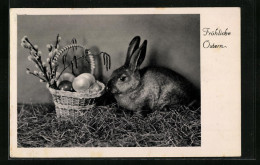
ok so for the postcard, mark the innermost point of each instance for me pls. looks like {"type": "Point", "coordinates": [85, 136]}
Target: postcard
{"type": "Point", "coordinates": [125, 82]}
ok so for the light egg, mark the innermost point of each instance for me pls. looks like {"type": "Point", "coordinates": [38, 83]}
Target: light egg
{"type": "Point", "coordinates": [83, 82]}
{"type": "Point", "coordinates": [95, 88]}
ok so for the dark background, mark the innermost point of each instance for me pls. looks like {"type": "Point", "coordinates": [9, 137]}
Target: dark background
{"type": "Point", "coordinates": [250, 78]}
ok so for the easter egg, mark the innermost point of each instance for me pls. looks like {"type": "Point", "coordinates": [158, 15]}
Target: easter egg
{"type": "Point", "coordinates": [95, 88]}
{"type": "Point", "coordinates": [89, 76]}
{"type": "Point", "coordinates": [81, 84]}
{"type": "Point", "coordinates": [65, 77]}
{"type": "Point", "coordinates": [66, 86]}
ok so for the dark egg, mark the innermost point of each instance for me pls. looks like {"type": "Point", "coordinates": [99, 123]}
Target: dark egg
{"type": "Point", "coordinates": [66, 86]}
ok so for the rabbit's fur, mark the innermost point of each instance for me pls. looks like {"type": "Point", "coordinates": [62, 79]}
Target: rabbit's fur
{"type": "Point", "coordinates": [151, 88]}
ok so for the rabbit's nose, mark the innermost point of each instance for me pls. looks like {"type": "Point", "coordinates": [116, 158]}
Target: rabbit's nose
{"type": "Point", "coordinates": [107, 88]}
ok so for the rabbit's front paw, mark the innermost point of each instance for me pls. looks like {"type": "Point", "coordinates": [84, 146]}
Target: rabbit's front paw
{"type": "Point", "coordinates": [165, 108]}
{"type": "Point", "coordinates": [142, 113]}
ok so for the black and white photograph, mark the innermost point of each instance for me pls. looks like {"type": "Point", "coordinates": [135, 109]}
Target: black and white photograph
{"type": "Point", "coordinates": [108, 81]}
{"type": "Point", "coordinates": [98, 81]}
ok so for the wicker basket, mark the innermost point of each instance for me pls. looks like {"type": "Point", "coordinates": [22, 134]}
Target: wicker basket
{"type": "Point", "coordinates": [70, 105]}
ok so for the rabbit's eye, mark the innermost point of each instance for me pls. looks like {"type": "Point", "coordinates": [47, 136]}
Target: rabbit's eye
{"type": "Point", "coordinates": [122, 78]}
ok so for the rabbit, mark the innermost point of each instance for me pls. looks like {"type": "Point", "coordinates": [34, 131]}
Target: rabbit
{"type": "Point", "coordinates": [150, 88]}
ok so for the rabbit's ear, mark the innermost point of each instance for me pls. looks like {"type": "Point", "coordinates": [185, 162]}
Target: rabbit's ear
{"type": "Point", "coordinates": [133, 46]}
{"type": "Point", "coordinates": [138, 57]}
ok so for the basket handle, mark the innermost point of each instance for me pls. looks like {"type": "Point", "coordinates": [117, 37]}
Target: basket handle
{"type": "Point", "coordinates": [86, 51]}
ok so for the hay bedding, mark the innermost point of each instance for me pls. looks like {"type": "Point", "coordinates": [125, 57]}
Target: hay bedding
{"type": "Point", "coordinates": [107, 126]}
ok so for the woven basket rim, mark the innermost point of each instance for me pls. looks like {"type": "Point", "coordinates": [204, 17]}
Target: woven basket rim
{"type": "Point", "coordinates": [85, 94]}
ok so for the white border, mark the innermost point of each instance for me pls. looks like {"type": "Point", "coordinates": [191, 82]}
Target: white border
{"type": "Point", "coordinates": [220, 89]}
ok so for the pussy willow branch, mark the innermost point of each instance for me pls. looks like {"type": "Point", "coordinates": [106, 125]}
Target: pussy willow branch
{"type": "Point", "coordinates": [57, 41]}
{"type": "Point", "coordinates": [38, 76]}
{"type": "Point", "coordinates": [27, 40]}
{"type": "Point", "coordinates": [44, 70]}
{"type": "Point", "coordinates": [38, 61]}
{"type": "Point", "coordinates": [53, 72]}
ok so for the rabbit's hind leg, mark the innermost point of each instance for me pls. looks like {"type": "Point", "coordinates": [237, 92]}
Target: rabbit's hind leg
{"type": "Point", "coordinates": [167, 101]}
{"type": "Point", "coordinates": [164, 101]}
